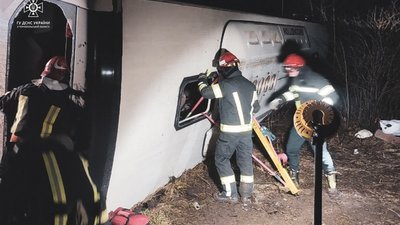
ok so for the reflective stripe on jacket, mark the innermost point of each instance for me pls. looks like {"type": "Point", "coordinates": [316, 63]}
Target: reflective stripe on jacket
{"type": "Point", "coordinates": [237, 98]}
{"type": "Point", "coordinates": [309, 85]}
{"type": "Point", "coordinates": [42, 112]}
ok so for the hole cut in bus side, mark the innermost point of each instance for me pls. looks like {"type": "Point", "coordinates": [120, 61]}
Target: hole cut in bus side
{"type": "Point", "coordinates": [191, 107]}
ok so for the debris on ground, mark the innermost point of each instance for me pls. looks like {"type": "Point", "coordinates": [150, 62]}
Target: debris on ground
{"type": "Point", "coordinates": [368, 183]}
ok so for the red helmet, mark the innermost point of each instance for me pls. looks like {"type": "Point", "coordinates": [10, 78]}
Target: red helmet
{"type": "Point", "coordinates": [294, 60]}
{"type": "Point", "coordinates": [227, 59]}
{"type": "Point", "coordinates": [56, 68]}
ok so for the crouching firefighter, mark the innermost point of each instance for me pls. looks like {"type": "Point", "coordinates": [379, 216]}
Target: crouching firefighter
{"type": "Point", "coordinates": [237, 101]}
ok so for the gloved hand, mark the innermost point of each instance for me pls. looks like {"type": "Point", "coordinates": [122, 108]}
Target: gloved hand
{"type": "Point", "coordinates": [202, 78]}
{"type": "Point", "coordinates": [213, 75]}
{"type": "Point", "coordinates": [273, 105]}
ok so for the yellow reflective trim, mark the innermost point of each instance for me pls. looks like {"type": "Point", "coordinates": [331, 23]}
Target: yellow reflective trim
{"type": "Point", "coordinates": [236, 128]}
{"type": "Point", "coordinates": [48, 122]}
{"type": "Point", "coordinates": [22, 104]}
{"type": "Point", "coordinates": [325, 91]}
{"type": "Point", "coordinates": [103, 216]}
{"type": "Point", "coordinates": [217, 90]}
{"type": "Point", "coordinates": [228, 180]}
{"type": "Point", "coordinates": [303, 89]}
{"type": "Point", "coordinates": [60, 219]}
{"type": "Point", "coordinates": [50, 174]}
{"type": "Point", "coordinates": [298, 104]}
{"type": "Point", "coordinates": [202, 85]}
{"type": "Point", "coordinates": [288, 96]}
{"type": "Point", "coordinates": [58, 177]}
{"type": "Point", "coordinates": [96, 195]}
{"type": "Point", "coordinates": [55, 179]}
{"type": "Point", "coordinates": [328, 100]}
{"type": "Point", "coordinates": [246, 179]}
{"type": "Point", "coordinates": [238, 107]}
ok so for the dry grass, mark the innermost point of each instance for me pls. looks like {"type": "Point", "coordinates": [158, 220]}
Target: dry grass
{"type": "Point", "coordinates": [369, 179]}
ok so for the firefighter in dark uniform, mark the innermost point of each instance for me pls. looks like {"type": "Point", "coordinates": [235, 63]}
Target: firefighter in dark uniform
{"type": "Point", "coordinates": [49, 184]}
{"type": "Point", "coordinates": [47, 176]}
{"type": "Point", "coordinates": [36, 108]}
{"type": "Point", "coordinates": [237, 101]}
{"type": "Point", "coordinates": [305, 85]}
{"type": "Point", "coordinates": [44, 106]}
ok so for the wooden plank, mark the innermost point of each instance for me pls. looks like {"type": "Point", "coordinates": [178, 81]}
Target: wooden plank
{"type": "Point", "coordinates": [274, 157]}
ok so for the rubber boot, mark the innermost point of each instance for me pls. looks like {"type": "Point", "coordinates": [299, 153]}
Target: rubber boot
{"type": "Point", "coordinates": [332, 190]}
{"type": "Point", "coordinates": [294, 175]}
{"type": "Point", "coordinates": [245, 190]}
{"type": "Point", "coordinates": [228, 196]}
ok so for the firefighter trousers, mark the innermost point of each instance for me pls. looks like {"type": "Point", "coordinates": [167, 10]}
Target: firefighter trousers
{"type": "Point", "coordinates": [227, 145]}
{"type": "Point", "coordinates": [293, 147]}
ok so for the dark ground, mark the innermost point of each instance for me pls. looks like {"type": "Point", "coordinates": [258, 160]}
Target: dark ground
{"type": "Point", "coordinates": [368, 183]}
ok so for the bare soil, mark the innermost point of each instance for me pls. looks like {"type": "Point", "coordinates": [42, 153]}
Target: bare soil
{"type": "Point", "coordinates": [368, 183]}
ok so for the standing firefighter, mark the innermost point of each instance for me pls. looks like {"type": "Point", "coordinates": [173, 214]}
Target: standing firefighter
{"type": "Point", "coordinates": [43, 107]}
{"type": "Point", "coordinates": [306, 85]}
{"type": "Point", "coordinates": [237, 100]}
{"type": "Point", "coordinates": [48, 180]}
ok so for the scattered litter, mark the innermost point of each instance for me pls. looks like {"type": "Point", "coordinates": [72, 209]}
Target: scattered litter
{"type": "Point", "coordinates": [363, 134]}
{"type": "Point", "coordinates": [390, 127]}
{"type": "Point", "coordinates": [355, 152]}
{"type": "Point", "coordinates": [196, 205]}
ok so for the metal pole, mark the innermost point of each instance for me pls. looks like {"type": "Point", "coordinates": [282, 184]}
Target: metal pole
{"type": "Point", "coordinates": [318, 140]}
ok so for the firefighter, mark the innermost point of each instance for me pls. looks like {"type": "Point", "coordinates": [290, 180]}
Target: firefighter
{"type": "Point", "coordinates": [49, 184]}
{"type": "Point", "coordinates": [237, 101]}
{"type": "Point", "coordinates": [43, 106]}
{"type": "Point", "coordinates": [305, 85]}
{"type": "Point", "coordinates": [48, 179]}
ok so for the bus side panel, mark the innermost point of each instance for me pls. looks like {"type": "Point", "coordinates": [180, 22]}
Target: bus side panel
{"type": "Point", "coordinates": [162, 44]}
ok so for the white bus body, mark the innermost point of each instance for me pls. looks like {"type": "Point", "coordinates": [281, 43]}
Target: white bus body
{"type": "Point", "coordinates": [163, 47]}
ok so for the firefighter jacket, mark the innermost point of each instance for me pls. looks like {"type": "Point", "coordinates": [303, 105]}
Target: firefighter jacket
{"type": "Point", "coordinates": [309, 85]}
{"type": "Point", "coordinates": [237, 98]}
{"type": "Point", "coordinates": [41, 112]}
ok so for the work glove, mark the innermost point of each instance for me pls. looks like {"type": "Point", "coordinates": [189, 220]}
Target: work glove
{"type": "Point", "coordinates": [202, 78]}
{"type": "Point", "coordinates": [209, 74]}
{"type": "Point", "coordinates": [273, 105]}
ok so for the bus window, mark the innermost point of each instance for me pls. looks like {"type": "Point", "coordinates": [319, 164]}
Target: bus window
{"type": "Point", "coordinates": [253, 38]}
{"type": "Point", "coordinates": [191, 107]}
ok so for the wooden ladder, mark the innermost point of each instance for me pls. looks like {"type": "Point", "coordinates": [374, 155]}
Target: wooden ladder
{"type": "Point", "coordinates": [274, 157]}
